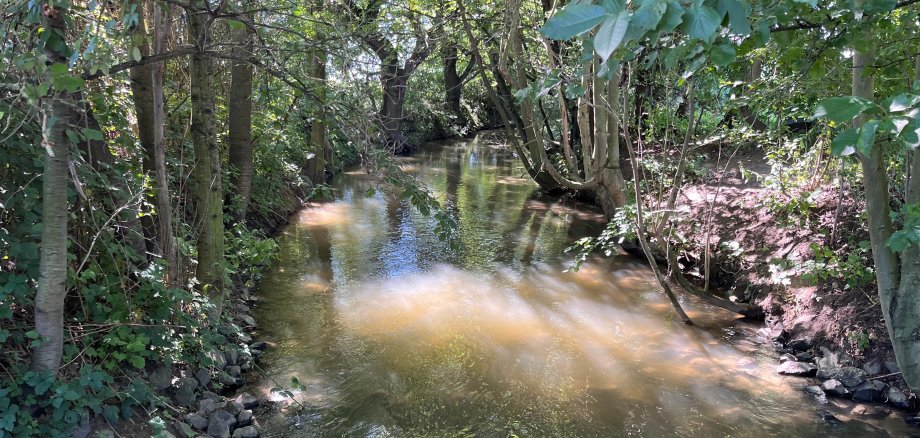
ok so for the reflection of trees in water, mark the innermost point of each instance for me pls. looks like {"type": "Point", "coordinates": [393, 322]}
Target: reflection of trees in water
{"type": "Point", "coordinates": [453, 164]}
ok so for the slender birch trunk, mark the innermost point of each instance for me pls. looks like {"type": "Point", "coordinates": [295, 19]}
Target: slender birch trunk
{"type": "Point", "coordinates": [56, 110]}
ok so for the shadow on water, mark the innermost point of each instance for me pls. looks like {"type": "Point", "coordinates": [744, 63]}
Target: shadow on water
{"type": "Point", "coordinates": [393, 333]}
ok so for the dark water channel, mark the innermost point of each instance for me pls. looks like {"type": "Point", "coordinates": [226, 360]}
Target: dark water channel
{"type": "Point", "coordinates": [393, 334]}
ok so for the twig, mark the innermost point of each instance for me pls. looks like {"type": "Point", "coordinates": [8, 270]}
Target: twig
{"type": "Point", "coordinates": [884, 376]}
{"type": "Point", "coordinates": [104, 227]}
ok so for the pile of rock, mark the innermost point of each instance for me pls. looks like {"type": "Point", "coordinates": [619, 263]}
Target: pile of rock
{"type": "Point", "coordinates": [217, 416]}
{"type": "Point", "coordinates": [836, 372]}
{"type": "Point", "coordinates": [220, 418]}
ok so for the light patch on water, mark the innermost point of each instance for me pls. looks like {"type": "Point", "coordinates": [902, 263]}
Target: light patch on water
{"type": "Point", "coordinates": [323, 214]}
{"type": "Point", "coordinates": [513, 180]}
{"type": "Point", "coordinates": [581, 327]}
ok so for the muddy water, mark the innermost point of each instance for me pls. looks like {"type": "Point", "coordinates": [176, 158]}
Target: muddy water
{"type": "Point", "coordinates": [392, 333]}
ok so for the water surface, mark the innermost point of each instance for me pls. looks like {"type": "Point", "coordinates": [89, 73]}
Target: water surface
{"type": "Point", "coordinates": [393, 333]}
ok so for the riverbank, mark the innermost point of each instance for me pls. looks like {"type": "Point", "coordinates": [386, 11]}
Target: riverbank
{"type": "Point", "coordinates": [201, 395]}
{"type": "Point", "coordinates": [800, 253]}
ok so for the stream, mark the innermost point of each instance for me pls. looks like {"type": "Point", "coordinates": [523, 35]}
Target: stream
{"type": "Point", "coordinates": [394, 334]}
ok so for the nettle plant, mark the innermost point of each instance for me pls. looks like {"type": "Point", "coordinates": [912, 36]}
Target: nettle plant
{"type": "Point", "coordinates": [893, 123]}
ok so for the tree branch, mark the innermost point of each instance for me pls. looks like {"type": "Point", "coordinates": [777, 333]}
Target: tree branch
{"type": "Point", "coordinates": [165, 56]}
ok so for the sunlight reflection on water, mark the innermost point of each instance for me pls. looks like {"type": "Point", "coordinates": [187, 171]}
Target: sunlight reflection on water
{"type": "Point", "coordinates": [393, 333]}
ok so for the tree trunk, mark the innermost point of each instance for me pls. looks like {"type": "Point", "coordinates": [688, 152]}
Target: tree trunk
{"type": "Point", "coordinates": [147, 91]}
{"type": "Point", "coordinates": [391, 111]}
{"type": "Point", "coordinates": [318, 139]}
{"type": "Point", "coordinates": [613, 193]}
{"type": "Point", "coordinates": [207, 170]}
{"type": "Point", "coordinates": [142, 93]}
{"type": "Point", "coordinates": [453, 83]}
{"type": "Point", "coordinates": [898, 280]}
{"type": "Point", "coordinates": [585, 118]}
{"type": "Point", "coordinates": [169, 248]}
{"type": "Point", "coordinates": [752, 120]}
{"type": "Point", "coordinates": [240, 119]}
{"type": "Point", "coordinates": [905, 307]}
{"type": "Point", "coordinates": [57, 110]}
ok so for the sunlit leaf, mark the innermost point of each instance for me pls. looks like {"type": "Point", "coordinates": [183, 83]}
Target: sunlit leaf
{"type": "Point", "coordinates": [902, 102]}
{"type": "Point", "coordinates": [610, 34]}
{"type": "Point", "coordinates": [574, 19]}
{"type": "Point", "coordinates": [845, 142]}
{"type": "Point", "coordinates": [841, 108]}
{"type": "Point", "coordinates": [910, 134]}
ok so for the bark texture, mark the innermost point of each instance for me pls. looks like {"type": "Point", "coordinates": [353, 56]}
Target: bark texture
{"type": "Point", "coordinates": [207, 169]}
{"type": "Point", "coordinates": [316, 168]}
{"type": "Point", "coordinates": [240, 119]}
{"type": "Point", "coordinates": [898, 277]}
{"type": "Point", "coordinates": [454, 81]}
{"type": "Point", "coordinates": [56, 110]}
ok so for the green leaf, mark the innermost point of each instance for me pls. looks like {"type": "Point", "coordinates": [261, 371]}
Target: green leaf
{"type": "Point", "coordinates": [902, 102]}
{"type": "Point", "coordinates": [610, 34]}
{"type": "Point", "coordinates": [646, 18]}
{"type": "Point", "coordinates": [701, 22]}
{"type": "Point", "coordinates": [672, 18]}
{"type": "Point", "coordinates": [72, 136]}
{"type": "Point", "coordinates": [722, 54]}
{"type": "Point", "coordinates": [136, 361]}
{"type": "Point", "coordinates": [910, 134]}
{"type": "Point", "coordinates": [866, 137]}
{"type": "Point", "coordinates": [893, 125]}
{"type": "Point", "coordinates": [812, 3]}
{"type": "Point", "coordinates": [136, 54]}
{"type": "Point", "coordinates": [844, 143]}
{"type": "Point", "coordinates": [841, 108]}
{"type": "Point", "coordinates": [62, 79]}
{"type": "Point", "coordinates": [92, 134]}
{"type": "Point", "coordinates": [899, 241]}
{"type": "Point", "coordinates": [738, 13]}
{"type": "Point", "coordinates": [110, 413]}
{"type": "Point", "coordinates": [879, 6]}
{"type": "Point", "coordinates": [574, 19]}
{"type": "Point", "coordinates": [613, 7]}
